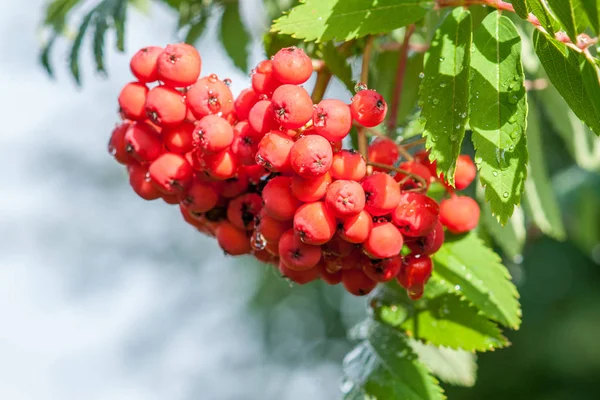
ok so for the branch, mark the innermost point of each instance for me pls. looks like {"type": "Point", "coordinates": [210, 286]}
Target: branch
{"type": "Point", "coordinates": [397, 94]}
{"type": "Point", "coordinates": [323, 78]}
{"type": "Point", "coordinates": [419, 179]}
{"type": "Point", "coordinates": [364, 79]}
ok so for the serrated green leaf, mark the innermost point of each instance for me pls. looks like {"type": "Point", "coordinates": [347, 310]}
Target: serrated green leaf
{"type": "Point", "coordinates": [384, 366]}
{"type": "Point", "coordinates": [498, 113]}
{"type": "Point", "coordinates": [100, 29]}
{"type": "Point", "coordinates": [456, 367]}
{"type": "Point", "coordinates": [541, 199]}
{"type": "Point", "coordinates": [474, 270]}
{"type": "Point", "coordinates": [543, 14]}
{"type": "Point", "coordinates": [591, 10]}
{"type": "Point", "coordinates": [444, 94]}
{"type": "Point", "coordinates": [119, 17]}
{"type": "Point", "coordinates": [56, 12]}
{"type": "Point", "coordinates": [571, 15]}
{"type": "Point", "coordinates": [234, 36]}
{"type": "Point", "coordinates": [323, 20]}
{"type": "Point", "coordinates": [337, 64]}
{"type": "Point", "coordinates": [76, 47]}
{"type": "Point", "coordinates": [562, 64]}
{"type": "Point", "coordinates": [273, 42]}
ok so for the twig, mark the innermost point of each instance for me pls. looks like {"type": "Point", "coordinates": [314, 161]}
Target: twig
{"type": "Point", "coordinates": [401, 149]}
{"type": "Point", "coordinates": [413, 144]}
{"type": "Point", "coordinates": [364, 79]}
{"type": "Point", "coordinates": [323, 79]}
{"type": "Point", "coordinates": [395, 46]}
{"type": "Point", "coordinates": [419, 179]}
{"type": "Point", "coordinates": [397, 94]}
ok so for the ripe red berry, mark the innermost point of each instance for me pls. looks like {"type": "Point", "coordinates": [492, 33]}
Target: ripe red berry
{"type": "Point", "coordinates": [382, 194]}
{"type": "Point", "coordinates": [348, 165]}
{"type": "Point", "coordinates": [414, 168]}
{"type": "Point", "coordinates": [270, 228]}
{"type": "Point", "coordinates": [142, 142]}
{"type": "Point", "coordinates": [422, 157]}
{"type": "Point", "coordinates": [233, 241]}
{"type": "Point", "coordinates": [222, 165]}
{"type": "Point", "coordinates": [357, 282]}
{"type": "Point", "coordinates": [300, 277]}
{"type": "Point", "coordinates": [292, 106]}
{"type": "Point", "coordinates": [311, 156]}
{"type": "Point", "coordinates": [261, 117]}
{"type": "Point", "coordinates": [314, 223]}
{"type": "Point", "coordinates": [279, 201]}
{"type": "Point", "coordinates": [235, 186]}
{"type": "Point", "coordinates": [242, 210]}
{"type": "Point", "coordinates": [140, 184]}
{"type": "Point", "coordinates": [338, 247]}
{"type": "Point", "coordinates": [179, 65]}
{"type": "Point", "coordinates": [311, 189]}
{"type": "Point", "coordinates": [171, 173]}
{"type": "Point", "coordinates": [209, 96]}
{"type": "Point", "coordinates": [244, 103]}
{"type": "Point", "coordinates": [200, 197]}
{"type": "Point", "coordinates": [459, 214]}
{"type": "Point", "coordinates": [332, 119]}
{"type": "Point", "coordinates": [179, 139]}
{"type": "Point", "coordinates": [116, 144]}
{"type": "Point", "coordinates": [213, 134]}
{"type": "Point", "coordinates": [345, 198]}
{"type": "Point", "coordinates": [383, 270]}
{"type": "Point", "coordinates": [165, 106]}
{"type": "Point", "coordinates": [415, 271]}
{"type": "Point", "coordinates": [274, 152]}
{"type": "Point", "coordinates": [383, 150]}
{"type": "Point", "coordinates": [296, 254]}
{"type": "Point", "coordinates": [465, 172]}
{"type": "Point", "coordinates": [329, 277]}
{"type": "Point", "coordinates": [416, 215]}
{"type": "Point", "coordinates": [292, 65]}
{"type": "Point", "coordinates": [357, 228]}
{"type": "Point", "coordinates": [245, 143]}
{"type": "Point", "coordinates": [384, 241]}
{"type": "Point", "coordinates": [143, 64]}
{"type": "Point", "coordinates": [428, 244]}
{"type": "Point", "coordinates": [368, 108]}
{"type": "Point", "coordinates": [254, 173]}
{"type": "Point", "coordinates": [132, 100]}
{"type": "Point", "coordinates": [263, 78]}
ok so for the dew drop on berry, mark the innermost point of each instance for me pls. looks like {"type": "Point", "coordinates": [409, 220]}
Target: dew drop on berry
{"type": "Point", "coordinates": [147, 177]}
{"type": "Point", "coordinates": [112, 150]}
{"type": "Point", "coordinates": [213, 77]}
{"type": "Point", "coordinates": [258, 241]}
{"type": "Point", "coordinates": [227, 81]}
{"type": "Point", "coordinates": [360, 86]}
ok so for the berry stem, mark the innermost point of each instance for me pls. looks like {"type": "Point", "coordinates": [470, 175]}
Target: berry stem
{"type": "Point", "coordinates": [401, 148]}
{"type": "Point", "coordinates": [323, 79]}
{"type": "Point", "coordinates": [419, 179]}
{"type": "Point", "coordinates": [364, 78]}
{"type": "Point", "coordinates": [397, 94]}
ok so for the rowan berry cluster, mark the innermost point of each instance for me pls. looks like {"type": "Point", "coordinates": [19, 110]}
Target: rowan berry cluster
{"type": "Point", "coordinates": [265, 172]}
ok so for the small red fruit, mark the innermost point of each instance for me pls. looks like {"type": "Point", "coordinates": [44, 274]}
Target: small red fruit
{"type": "Point", "coordinates": [179, 65]}
{"type": "Point", "coordinates": [357, 282]}
{"type": "Point", "coordinates": [459, 214]}
{"type": "Point", "coordinates": [416, 215]}
{"type": "Point", "coordinates": [292, 65]}
{"type": "Point", "coordinates": [368, 108]}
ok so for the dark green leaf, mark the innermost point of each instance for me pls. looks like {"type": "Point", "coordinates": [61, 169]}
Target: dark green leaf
{"type": "Point", "coordinates": [456, 367]}
{"type": "Point", "coordinates": [521, 8]}
{"type": "Point", "coordinates": [465, 264]}
{"type": "Point", "coordinates": [385, 367]}
{"type": "Point", "coordinates": [98, 44]}
{"type": "Point", "coordinates": [56, 13]}
{"type": "Point", "coordinates": [337, 64]}
{"type": "Point", "coordinates": [444, 94]}
{"type": "Point", "coordinates": [196, 29]}
{"type": "Point", "coordinates": [562, 64]}
{"type": "Point", "coordinates": [45, 55]}
{"type": "Point", "coordinates": [570, 15]}
{"type": "Point", "coordinates": [591, 10]}
{"type": "Point", "coordinates": [234, 36]}
{"type": "Point", "coordinates": [543, 14]}
{"type": "Point", "coordinates": [120, 16]}
{"type": "Point", "coordinates": [323, 20]}
{"type": "Point", "coordinates": [498, 113]}
{"type": "Point", "coordinates": [273, 42]}
{"type": "Point", "coordinates": [76, 47]}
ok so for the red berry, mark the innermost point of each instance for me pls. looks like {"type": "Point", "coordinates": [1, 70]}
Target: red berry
{"type": "Point", "coordinates": [140, 184]}
{"type": "Point", "coordinates": [274, 152]}
{"type": "Point", "coordinates": [311, 156]}
{"type": "Point", "coordinates": [422, 157]}
{"type": "Point", "coordinates": [213, 134]}
{"type": "Point", "coordinates": [171, 173]}
{"type": "Point", "coordinates": [383, 150]}
{"type": "Point", "coordinates": [242, 210]}
{"type": "Point", "coordinates": [415, 271]}
{"type": "Point", "coordinates": [345, 198]}
{"type": "Point", "coordinates": [459, 214]}
{"type": "Point", "coordinates": [165, 106]}
{"type": "Point", "coordinates": [311, 189]}
{"type": "Point", "coordinates": [416, 169]}
{"type": "Point", "coordinates": [143, 64]}
{"type": "Point", "coordinates": [261, 117]}
{"type": "Point", "coordinates": [384, 241]}
{"type": "Point", "coordinates": [465, 172]}
{"type": "Point", "coordinates": [348, 165]}
{"type": "Point", "coordinates": [263, 78]}
{"type": "Point", "coordinates": [235, 186]}
{"type": "Point", "coordinates": [357, 228]}
{"type": "Point", "coordinates": [279, 201]}
{"type": "Point", "coordinates": [244, 103]}
{"type": "Point", "coordinates": [314, 223]}
{"type": "Point", "coordinates": [428, 244]}
{"type": "Point", "coordinates": [296, 254]}
{"type": "Point", "coordinates": [179, 65]}
{"type": "Point", "coordinates": [209, 96]}
{"type": "Point", "coordinates": [270, 228]}
{"type": "Point", "coordinates": [200, 197]}
{"type": "Point", "coordinates": [329, 277]}
{"type": "Point", "coordinates": [292, 106]}
{"type": "Point", "coordinates": [179, 139]}
{"type": "Point", "coordinates": [222, 165]}
{"type": "Point", "coordinates": [142, 142]}
{"type": "Point", "coordinates": [357, 282]}
{"type": "Point", "coordinates": [382, 194]}
{"type": "Point", "coordinates": [132, 100]}
{"type": "Point", "coordinates": [245, 143]}
{"type": "Point", "coordinates": [300, 277]}
{"type": "Point", "coordinates": [116, 144]}
{"type": "Point", "coordinates": [233, 241]}
{"type": "Point", "coordinates": [332, 119]}
{"type": "Point", "coordinates": [416, 215]}
{"type": "Point", "coordinates": [368, 108]}
{"type": "Point", "coordinates": [338, 247]}
{"type": "Point", "coordinates": [383, 270]}
{"type": "Point", "coordinates": [292, 65]}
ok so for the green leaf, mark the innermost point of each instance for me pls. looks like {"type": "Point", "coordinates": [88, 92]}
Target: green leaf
{"type": "Point", "coordinates": [541, 199]}
{"type": "Point", "coordinates": [456, 367]}
{"type": "Point", "coordinates": [543, 14]}
{"type": "Point", "coordinates": [562, 64]}
{"type": "Point", "coordinates": [45, 55]}
{"type": "Point", "coordinates": [76, 47]}
{"type": "Point", "coordinates": [472, 269]}
{"type": "Point", "coordinates": [591, 10]}
{"type": "Point", "coordinates": [570, 15]}
{"type": "Point", "coordinates": [196, 28]}
{"type": "Point", "coordinates": [498, 113]}
{"type": "Point", "coordinates": [119, 17]}
{"type": "Point", "coordinates": [444, 94]}
{"type": "Point", "coordinates": [56, 13]}
{"type": "Point", "coordinates": [273, 42]}
{"type": "Point", "coordinates": [98, 43]}
{"type": "Point", "coordinates": [521, 8]}
{"type": "Point", "coordinates": [384, 366]}
{"type": "Point", "coordinates": [234, 36]}
{"type": "Point", "coordinates": [337, 64]}
{"type": "Point", "coordinates": [323, 20]}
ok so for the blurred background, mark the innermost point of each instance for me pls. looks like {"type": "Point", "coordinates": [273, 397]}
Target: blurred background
{"type": "Point", "coordinates": [106, 296]}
